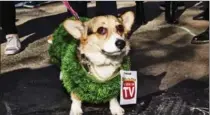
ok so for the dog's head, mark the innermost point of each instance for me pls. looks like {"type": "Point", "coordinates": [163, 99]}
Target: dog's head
{"type": "Point", "coordinates": [102, 36]}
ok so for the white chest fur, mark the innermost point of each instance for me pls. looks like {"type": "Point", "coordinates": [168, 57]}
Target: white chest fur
{"type": "Point", "coordinates": [103, 72]}
{"type": "Point", "coordinates": [99, 59]}
{"type": "Point", "coordinates": [102, 66]}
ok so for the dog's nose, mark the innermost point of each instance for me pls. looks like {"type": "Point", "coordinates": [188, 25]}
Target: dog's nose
{"type": "Point", "coordinates": [120, 43]}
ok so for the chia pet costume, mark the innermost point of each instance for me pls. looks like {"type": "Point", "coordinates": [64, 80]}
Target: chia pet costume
{"type": "Point", "coordinates": [75, 76]}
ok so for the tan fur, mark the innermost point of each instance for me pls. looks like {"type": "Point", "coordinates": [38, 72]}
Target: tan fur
{"type": "Point", "coordinates": [50, 39]}
{"type": "Point", "coordinates": [74, 96]}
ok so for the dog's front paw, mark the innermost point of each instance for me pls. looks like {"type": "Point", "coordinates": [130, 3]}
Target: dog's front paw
{"type": "Point", "coordinates": [117, 110]}
{"type": "Point", "coordinates": [75, 110]}
{"type": "Point", "coordinates": [76, 107]}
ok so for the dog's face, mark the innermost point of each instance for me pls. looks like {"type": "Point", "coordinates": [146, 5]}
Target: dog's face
{"type": "Point", "coordinates": [102, 36]}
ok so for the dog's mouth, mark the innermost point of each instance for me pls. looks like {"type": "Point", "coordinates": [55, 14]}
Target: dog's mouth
{"type": "Point", "coordinates": [112, 53]}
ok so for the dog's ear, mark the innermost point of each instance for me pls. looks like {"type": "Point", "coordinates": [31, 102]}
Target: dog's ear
{"type": "Point", "coordinates": [74, 27]}
{"type": "Point", "coordinates": [128, 20]}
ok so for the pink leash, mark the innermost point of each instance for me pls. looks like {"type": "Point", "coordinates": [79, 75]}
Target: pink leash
{"type": "Point", "coordinates": [68, 6]}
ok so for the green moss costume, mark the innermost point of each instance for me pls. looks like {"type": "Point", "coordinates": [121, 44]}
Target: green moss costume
{"type": "Point", "coordinates": [75, 78]}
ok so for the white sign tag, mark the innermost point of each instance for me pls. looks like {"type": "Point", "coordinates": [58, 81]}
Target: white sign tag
{"type": "Point", "coordinates": [128, 90]}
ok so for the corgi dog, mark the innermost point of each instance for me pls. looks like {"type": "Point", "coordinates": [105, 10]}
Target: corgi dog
{"type": "Point", "coordinates": [103, 41]}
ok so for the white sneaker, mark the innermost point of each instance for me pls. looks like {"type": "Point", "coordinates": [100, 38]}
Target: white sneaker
{"type": "Point", "coordinates": [13, 44]}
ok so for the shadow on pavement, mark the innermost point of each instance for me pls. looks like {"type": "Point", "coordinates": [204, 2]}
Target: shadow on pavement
{"type": "Point", "coordinates": [40, 27]}
{"type": "Point", "coordinates": [178, 50]}
{"type": "Point", "coordinates": [39, 92]}
{"type": "Point", "coordinates": [32, 91]}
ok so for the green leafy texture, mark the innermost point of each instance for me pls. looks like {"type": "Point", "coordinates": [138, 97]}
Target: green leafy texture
{"type": "Point", "coordinates": [75, 78]}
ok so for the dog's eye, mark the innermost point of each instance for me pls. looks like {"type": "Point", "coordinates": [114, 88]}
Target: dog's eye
{"type": "Point", "coordinates": [120, 28]}
{"type": "Point", "coordinates": [102, 30]}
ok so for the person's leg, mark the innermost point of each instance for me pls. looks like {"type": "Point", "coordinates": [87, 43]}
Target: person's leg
{"type": "Point", "coordinates": [206, 11]}
{"type": "Point", "coordinates": [140, 15]}
{"type": "Point", "coordinates": [180, 6]}
{"type": "Point", "coordinates": [106, 8]}
{"type": "Point", "coordinates": [170, 12]}
{"type": "Point", "coordinates": [80, 7]}
{"type": "Point", "coordinates": [0, 14]}
{"type": "Point", "coordinates": [2, 40]}
{"type": "Point", "coordinates": [8, 16]}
